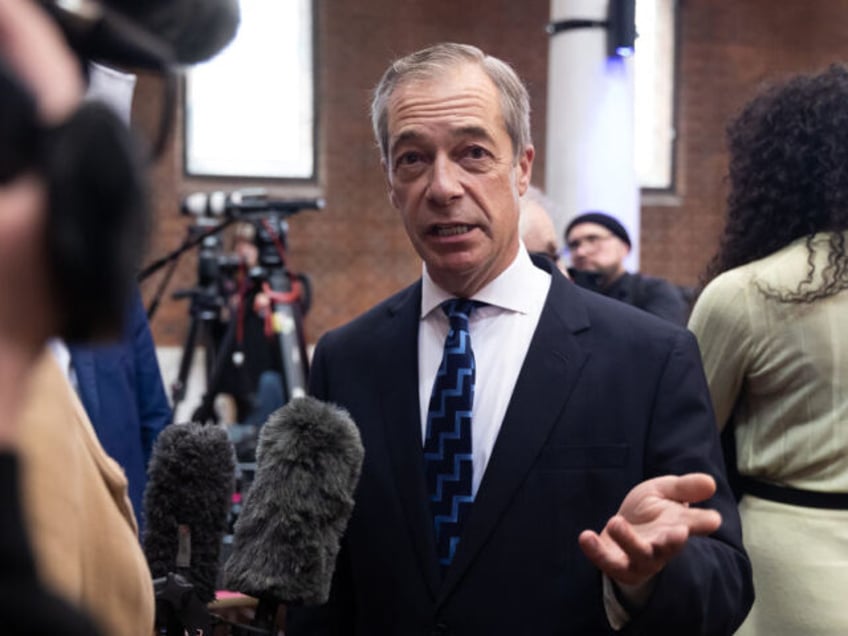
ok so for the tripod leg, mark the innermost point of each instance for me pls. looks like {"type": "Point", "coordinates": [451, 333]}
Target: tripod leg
{"type": "Point", "coordinates": [290, 340]}
{"type": "Point", "coordinates": [178, 388]}
{"type": "Point", "coordinates": [293, 352]}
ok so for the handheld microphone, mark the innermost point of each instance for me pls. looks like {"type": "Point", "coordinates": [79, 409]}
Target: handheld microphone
{"type": "Point", "coordinates": [247, 201]}
{"type": "Point", "coordinates": [186, 503]}
{"type": "Point", "coordinates": [287, 537]}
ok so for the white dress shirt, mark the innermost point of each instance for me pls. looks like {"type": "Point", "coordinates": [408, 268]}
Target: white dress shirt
{"type": "Point", "coordinates": [500, 334]}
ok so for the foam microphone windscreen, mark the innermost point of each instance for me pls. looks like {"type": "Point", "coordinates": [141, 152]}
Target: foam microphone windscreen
{"type": "Point", "coordinates": [186, 503]}
{"type": "Point", "coordinates": [287, 537]}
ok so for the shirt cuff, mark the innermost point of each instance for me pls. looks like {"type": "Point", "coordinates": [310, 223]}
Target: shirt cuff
{"type": "Point", "coordinates": [617, 595]}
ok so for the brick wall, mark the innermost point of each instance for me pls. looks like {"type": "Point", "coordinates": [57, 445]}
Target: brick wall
{"type": "Point", "coordinates": [727, 49]}
{"type": "Point", "coordinates": [356, 252]}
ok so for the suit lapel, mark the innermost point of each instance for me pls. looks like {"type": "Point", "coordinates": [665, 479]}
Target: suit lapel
{"type": "Point", "coordinates": [554, 359]}
{"type": "Point", "coordinates": [401, 417]}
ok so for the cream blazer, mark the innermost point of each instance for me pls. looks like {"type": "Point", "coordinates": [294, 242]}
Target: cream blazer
{"type": "Point", "coordinates": [81, 524]}
{"type": "Point", "coordinates": [779, 370]}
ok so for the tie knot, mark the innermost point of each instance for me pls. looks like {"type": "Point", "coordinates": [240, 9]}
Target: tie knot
{"type": "Point", "coordinates": [460, 308]}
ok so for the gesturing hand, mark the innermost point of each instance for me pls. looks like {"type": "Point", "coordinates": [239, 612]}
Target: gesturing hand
{"type": "Point", "coordinates": [651, 526]}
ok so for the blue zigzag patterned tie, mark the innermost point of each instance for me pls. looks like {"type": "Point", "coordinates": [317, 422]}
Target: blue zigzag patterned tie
{"type": "Point", "coordinates": [447, 447]}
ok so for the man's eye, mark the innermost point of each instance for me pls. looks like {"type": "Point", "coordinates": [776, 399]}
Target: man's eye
{"type": "Point", "coordinates": [408, 159]}
{"type": "Point", "coordinates": [475, 158]}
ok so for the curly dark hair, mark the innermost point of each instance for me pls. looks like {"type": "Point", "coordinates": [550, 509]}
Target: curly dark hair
{"type": "Point", "coordinates": [788, 178]}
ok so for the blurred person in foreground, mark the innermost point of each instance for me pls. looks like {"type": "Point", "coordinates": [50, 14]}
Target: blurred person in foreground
{"type": "Point", "coordinates": [86, 174]}
{"type": "Point", "coordinates": [35, 56]}
{"type": "Point", "coordinates": [560, 470]}
{"type": "Point", "coordinates": [771, 323]}
{"type": "Point", "coordinates": [79, 518]}
{"type": "Point", "coordinates": [598, 244]}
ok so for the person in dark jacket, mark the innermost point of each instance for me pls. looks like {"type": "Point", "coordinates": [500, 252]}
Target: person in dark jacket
{"type": "Point", "coordinates": [121, 387]}
{"type": "Point", "coordinates": [598, 244]}
{"type": "Point", "coordinates": [34, 64]}
{"type": "Point", "coordinates": [539, 459]}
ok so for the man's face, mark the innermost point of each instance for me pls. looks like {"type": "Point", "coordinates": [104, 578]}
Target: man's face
{"type": "Point", "coordinates": [451, 173]}
{"type": "Point", "coordinates": [537, 230]}
{"type": "Point", "coordinates": [594, 248]}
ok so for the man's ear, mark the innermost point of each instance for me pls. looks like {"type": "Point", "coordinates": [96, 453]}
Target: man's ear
{"type": "Point", "coordinates": [524, 168]}
{"type": "Point", "coordinates": [388, 177]}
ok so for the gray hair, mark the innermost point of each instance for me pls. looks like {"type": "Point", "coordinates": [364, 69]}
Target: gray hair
{"type": "Point", "coordinates": [429, 63]}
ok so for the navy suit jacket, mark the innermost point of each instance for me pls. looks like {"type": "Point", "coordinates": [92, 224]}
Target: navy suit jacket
{"type": "Point", "coordinates": [120, 386]}
{"type": "Point", "coordinates": [608, 396]}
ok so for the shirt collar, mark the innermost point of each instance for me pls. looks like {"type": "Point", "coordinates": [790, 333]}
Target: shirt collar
{"type": "Point", "coordinates": [513, 290]}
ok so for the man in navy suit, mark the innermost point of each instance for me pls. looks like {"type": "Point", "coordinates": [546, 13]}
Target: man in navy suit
{"type": "Point", "coordinates": [599, 496]}
{"type": "Point", "coordinates": [120, 386]}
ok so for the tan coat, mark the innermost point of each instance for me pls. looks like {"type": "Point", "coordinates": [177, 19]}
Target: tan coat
{"type": "Point", "coordinates": [82, 527]}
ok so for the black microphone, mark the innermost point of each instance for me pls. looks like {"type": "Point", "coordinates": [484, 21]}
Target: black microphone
{"type": "Point", "coordinates": [287, 537]}
{"type": "Point", "coordinates": [247, 201]}
{"type": "Point", "coordinates": [186, 504]}
{"type": "Point", "coordinates": [147, 33]}
{"type": "Point", "coordinates": [196, 30]}
{"type": "Point", "coordinates": [95, 31]}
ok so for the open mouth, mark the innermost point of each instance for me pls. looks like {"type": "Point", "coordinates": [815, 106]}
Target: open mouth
{"type": "Point", "coordinates": [451, 230]}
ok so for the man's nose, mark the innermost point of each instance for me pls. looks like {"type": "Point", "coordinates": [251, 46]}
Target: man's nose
{"type": "Point", "coordinates": [445, 184]}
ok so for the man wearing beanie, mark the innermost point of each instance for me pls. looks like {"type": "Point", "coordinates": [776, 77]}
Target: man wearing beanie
{"type": "Point", "coordinates": [598, 245]}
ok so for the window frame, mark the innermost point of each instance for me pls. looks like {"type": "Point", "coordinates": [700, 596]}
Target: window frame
{"type": "Point", "coordinates": [670, 188]}
{"type": "Point", "coordinates": [222, 176]}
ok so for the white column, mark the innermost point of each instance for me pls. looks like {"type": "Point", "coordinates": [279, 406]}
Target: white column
{"type": "Point", "coordinates": [589, 163]}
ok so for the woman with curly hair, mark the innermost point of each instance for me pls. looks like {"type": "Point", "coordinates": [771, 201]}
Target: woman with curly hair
{"type": "Point", "coordinates": [772, 323]}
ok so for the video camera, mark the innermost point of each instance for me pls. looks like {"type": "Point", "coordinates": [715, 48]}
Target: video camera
{"type": "Point", "coordinates": [240, 203]}
{"type": "Point", "coordinates": [267, 219]}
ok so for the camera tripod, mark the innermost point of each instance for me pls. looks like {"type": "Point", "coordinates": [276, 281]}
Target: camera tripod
{"type": "Point", "coordinates": [288, 295]}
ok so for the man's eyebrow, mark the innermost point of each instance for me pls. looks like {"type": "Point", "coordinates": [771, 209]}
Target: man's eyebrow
{"type": "Point", "coordinates": [404, 137]}
{"type": "Point", "coordinates": [471, 131]}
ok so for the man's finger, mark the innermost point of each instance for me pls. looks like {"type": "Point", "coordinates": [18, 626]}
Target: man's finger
{"type": "Point", "coordinates": [702, 521]}
{"type": "Point", "coordinates": [606, 558]}
{"type": "Point", "coordinates": [689, 488]}
{"type": "Point", "coordinates": [638, 550]}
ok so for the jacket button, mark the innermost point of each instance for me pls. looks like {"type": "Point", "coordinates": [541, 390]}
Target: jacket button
{"type": "Point", "coordinates": [440, 629]}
